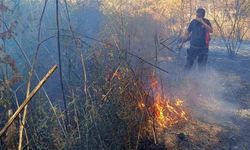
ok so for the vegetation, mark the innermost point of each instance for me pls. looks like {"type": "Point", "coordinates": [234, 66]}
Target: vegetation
{"type": "Point", "coordinates": [107, 53]}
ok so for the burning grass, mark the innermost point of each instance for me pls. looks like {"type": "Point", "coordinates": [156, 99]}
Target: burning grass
{"type": "Point", "coordinates": [162, 112]}
{"type": "Point", "coordinates": [138, 111]}
{"type": "Point", "coordinates": [165, 112]}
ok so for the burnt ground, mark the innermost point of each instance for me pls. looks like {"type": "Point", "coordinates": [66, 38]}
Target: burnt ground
{"type": "Point", "coordinates": [218, 101]}
{"type": "Point", "coordinates": [237, 80]}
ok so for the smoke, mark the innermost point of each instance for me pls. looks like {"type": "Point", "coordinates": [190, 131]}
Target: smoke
{"type": "Point", "coordinates": [204, 94]}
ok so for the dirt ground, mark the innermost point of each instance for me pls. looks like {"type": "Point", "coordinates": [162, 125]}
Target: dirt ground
{"type": "Point", "coordinates": [218, 101]}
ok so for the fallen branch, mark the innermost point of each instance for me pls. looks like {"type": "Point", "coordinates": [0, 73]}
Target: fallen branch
{"type": "Point", "coordinates": [27, 100]}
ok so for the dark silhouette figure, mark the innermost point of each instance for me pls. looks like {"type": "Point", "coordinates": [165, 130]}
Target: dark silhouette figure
{"type": "Point", "coordinates": [198, 33]}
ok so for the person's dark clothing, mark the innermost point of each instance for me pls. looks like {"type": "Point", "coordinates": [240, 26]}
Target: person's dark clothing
{"type": "Point", "coordinates": [199, 44]}
{"type": "Point", "coordinates": [192, 54]}
{"type": "Point", "coordinates": [199, 34]}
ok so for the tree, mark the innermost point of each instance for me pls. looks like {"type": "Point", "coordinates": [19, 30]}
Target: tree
{"type": "Point", "coordinates": [232, 20]}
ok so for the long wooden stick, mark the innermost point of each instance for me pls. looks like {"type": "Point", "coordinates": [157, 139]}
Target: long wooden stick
{"type": "Point", "coordinates": [27, 100]}
{"type": "Point", "coordinates": [22, 122]}
{"type": "Point", "coordinates": [60, 63]}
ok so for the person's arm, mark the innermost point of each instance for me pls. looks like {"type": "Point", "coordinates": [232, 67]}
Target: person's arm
{"type": "Point", "coordinates": [185, 37]}
{"type": "Point", "coordinates": [207, 26]}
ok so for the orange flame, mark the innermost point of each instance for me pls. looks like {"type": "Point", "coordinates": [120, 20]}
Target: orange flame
{"type": "Point", "coordinates": [141, 105]}
{"type": "Point", "coordinates": [165, 112]}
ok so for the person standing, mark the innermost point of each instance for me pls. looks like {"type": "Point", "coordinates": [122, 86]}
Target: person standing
{"type": "Point", "coordinates": [198, 32]}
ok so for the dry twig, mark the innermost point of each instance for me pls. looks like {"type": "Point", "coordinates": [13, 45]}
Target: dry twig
{"type": "Point", "coordinates": [27, 100]}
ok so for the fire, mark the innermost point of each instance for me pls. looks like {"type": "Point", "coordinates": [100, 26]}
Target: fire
{"type": "Point", "coordinates": [179, 102]}
{"type": "Point", "coordinates": [141, 105]}
{"type": "Point", "coordinates": [164, 111]}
